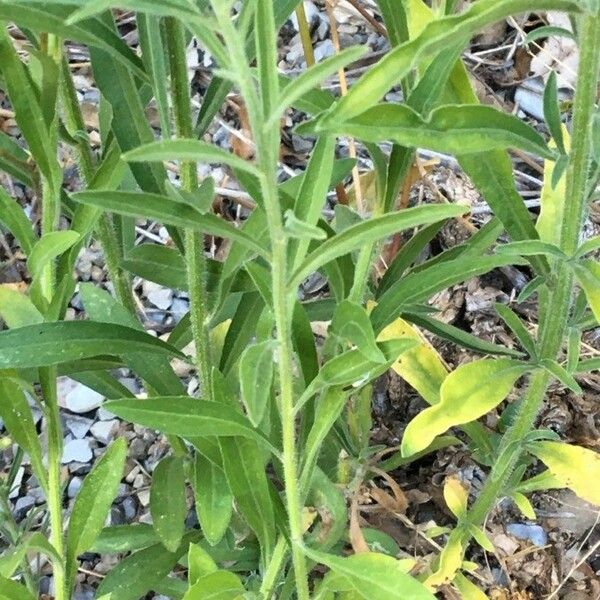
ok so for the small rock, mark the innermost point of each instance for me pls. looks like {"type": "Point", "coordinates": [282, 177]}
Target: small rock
{"type": "Point", "coordinates": [76, 397]}
{"type": "Point", "coordinates": [117, 516]}
{"type": "Point", "coordinates": [532, 533]}
{"type": "Point", "coordinates": [129, 505]}
{"type": "Point", "coordinates": [323, 50]}
{"type": "Point", "coordinates": [104, 415]}
{"type": "Point", "coordinates": [104, 431]}
{"type": "Point", "coordinates": [17, 484]}
{"type": "Point", "coordinates": [159, 296]}
{"type": "Point", "coordinates": [137, 449]}
{"type": "Point", "coordinates": [144, 497]}
{"type": "Point", "coordinates": [22, 506]}
{"type": "Point", "coordinates": [77, 451]}
{"type": "Point", "coordinates": [179, 308]}
{"type": "Point", "coordinates": [78, 426]}
{"type": "Point", "coordinates": [74, 486]}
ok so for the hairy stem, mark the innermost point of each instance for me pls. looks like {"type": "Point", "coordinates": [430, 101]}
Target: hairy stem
{"type": "Point", "coordinates": [266, 138]}
{"type": "Point", "coordinates": [554, 329]}
{"type": "Point", "coordinates": [194, 242]}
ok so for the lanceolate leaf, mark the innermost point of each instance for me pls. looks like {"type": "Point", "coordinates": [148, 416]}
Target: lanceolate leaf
{"type": "Point", "coordinates": [94, 499]}
{"type": "Point", "coordinates": [214, 502]}
{"type": "Point", "coordinates": [256, 376]}
{"type": "Point", "coordinates": [370, 231]}
{"type": "Point", "coordinates": [373, 576]}
{"type": "Point", "coordinates": [186, 150]}
{"type": "Point", "coordinates": [372, 86]}
{"type": "Point", "coordinates": [11, 590]}
{"type": "Point", "coordinates": [14, 219]}
{"type": "Point", "coordinates": [220, 585]}
{"type": "Point", "coordinates": [167, 501]}
{"type": "Point", "coordinates": [17, 310]}
{"type": "Point", "coordinates": [467, 393]}
{"type": "Point", "coordinates": [185, 416]}
{"type": "Point", "coordinates": [49, 247]}
{"type": "Point", "coordinates": [56, 343]}
{"type": "Point", "coordinates": [457, 130]}
{"type": "Point", "coordinates": [420, 286]}
{"type": "Point", "coordinates": [575, 467]}
{"type": "Point", "coordinates": [16, 414]}
{"type": "Point", "coordinates": [588, 274]}
{"type": "Point", "coordinates": [165, 210]}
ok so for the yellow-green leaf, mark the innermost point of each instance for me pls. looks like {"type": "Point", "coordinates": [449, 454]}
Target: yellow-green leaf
{"type": "Point", "coordinates": [421, 366]}
{"type": "Point", "coordinates": [467, 393]}
{"type": "Point", "coordinates": [456, 496]}
{"type": "Point", "coordinates": [449, 561]}
{"type": "Point", "coordinates": [576, 467]}
{"type": "Point", "coordinates": [588, 274]}
{"type": "Point", "coordinates": [524, 505]}
{"type": "Point", "coordinates": [467, 589]}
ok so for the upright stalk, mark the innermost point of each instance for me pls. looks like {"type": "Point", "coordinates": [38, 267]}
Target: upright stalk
{"type": "Point", "coordinates": [195, 259]}
{"type": "Point", "coordinates": [266, 137]}
{"type": "Point", "coordinates": [553, 330]}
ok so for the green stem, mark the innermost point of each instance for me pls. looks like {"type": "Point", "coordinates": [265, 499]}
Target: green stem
{"type": "Point", "coordinates": [554, 329]}
{"type": "Point", "coordinates": [105, 228]}
{"type": "Point", "coordinates": [267, 147]}
{"type": "Point", "coordinates": [267, 587]}
{"type": "Point", "coordinates": [195, 258]}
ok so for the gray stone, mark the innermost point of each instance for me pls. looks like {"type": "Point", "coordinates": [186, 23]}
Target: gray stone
{"type": "Point", "coordinates": [78, 451]}
{"type": "Point", "coordinates": [137, 449]}
{"type": "Point", "coordinates": [22, 506]}
{"type": "Point", "coordinates": [74, 486]}
{"type": "Point", "coordinates": [78, 426]}
{"type": "Point", "coordinates": [532, 533]}
{"type": "Point", "coordinates": [76, 397]}
{"type": "Point", "coordinates": [161, 298]}
{"type": "Point", "coordinates": [179, 308]}
{"type": "Point", "coordinates": [104, 431]}
{"type": "Point", "coordinates": [323, 50]}
{"type": "Point", "coordinates": [129, 505]}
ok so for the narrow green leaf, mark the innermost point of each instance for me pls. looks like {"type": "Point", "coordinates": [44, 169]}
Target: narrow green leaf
{"type": "Point", "coordinates": [454, 129]}
{"type": "Point", "coordinates": [561, 374]}
{"type": "Point", "coordinates": [439, 33]}
{"type": "Point", "coordinates": [295, 228]}
{"type": "Point", "coordinates": [351, 322]}
{"type": "Point", "coordinates": [200, 563]}
{"type": "Point", "coordinates": [575, 467]}
{"type": "Point", "coordinates": [373, 576]}
{"type": "Point", "coordinates": [57, 343]}
{"type": "Point", "coordinates": [588, 246]}
{"type": "Point", "coordinates": [188, 150]}
{"type": "Point", "coordinates": [481, 538]}
{"type": "Point", "coordinates": [353, 368]}
{"type": "Point", "coordinates": [50, 246]}
{"type": "Point", "coordinates": [469, 392]}
{"type": "Point", "coordinates": [244, 466]}
{"type": "Point", "coordinates": [531, 248]}
{"type": "Point", "coordinates": [518, 328]}
{"type": "Point", "coordinates": [552, 112]}
{"type": "Point", "coordinates": [314, 76]}
{"type": "Point", "coordinates": [17, 310]}
{"type": "Point", "coordinates": [547, 31]}
{"type": "Point", "coordinates": [164, 8]}
{"type": "Point", "coordinates": [185, 416]}
{"type": "Point", "coordinates": [214, 501]}
{"type": "Point", "coordinates": [11, 590]}
{"type": "Point", "coordinates": [370, 231]}
{"type": "Point", "coordinates": [420, 286]}
{"type": "Point", "coordinates": [13, 217]}
{"type": "Point", "coordinates": [51, 17]}
{"type": "Point", "coordinates": [124, 538]}
{"type": "Point", "coordinates": [137, 574]}
{"type": "Point", "coordinates": [220, 585]}
{"type": "Point", "coordinates": [163, 209]}
{"type": "Point", "coordinates": [94, 500]}
{"type": "Point", "coordinates": [256, 375]}
{"type": "Point", "coordinates": [28, 112]}
{"type": "Point", "coordinates": [168, 502]}
{"type": "Point", "coordinates": [16, 414]}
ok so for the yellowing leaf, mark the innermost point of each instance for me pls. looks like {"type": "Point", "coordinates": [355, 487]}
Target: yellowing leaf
{"type": "Point", "coordinates": [550, 220]}
{"type": "Point", "coordinates": [576, 467]}
{"type": "Point", "coordinates": [467, 393]}
{"type": "Point", "coordinates": [421, 366]}
{"type": "Point", "coordinates": [588, 275]}
{"type": "Point", "coordinates": [467, 589]}
{"type": "Point", "coordinates": [524, 505]}
{"type": "Point", "coordinates": [450, 561]}
{"type": "Point", "coordinates": [456, 496]}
